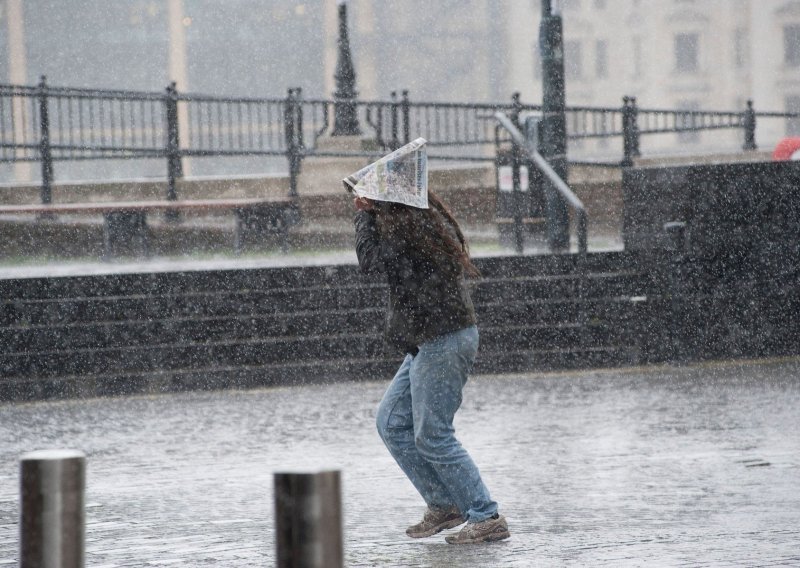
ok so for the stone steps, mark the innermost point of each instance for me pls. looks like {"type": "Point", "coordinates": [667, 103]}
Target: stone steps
{"type": "Point", "coordinates": [294, 324]}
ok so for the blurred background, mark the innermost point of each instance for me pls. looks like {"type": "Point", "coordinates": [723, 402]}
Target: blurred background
{"type": "Point", "coordinates": [675, 54]}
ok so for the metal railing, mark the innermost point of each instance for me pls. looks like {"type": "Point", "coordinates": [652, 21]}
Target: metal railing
{"type": "Point", "coordinates": [637, 122]}
{"type": "Point", "coordinates": [552, 177]}
{"type": "Point", "coordinates": [46, 124]}
{"type": "Point", "coordinates": [446, 126]}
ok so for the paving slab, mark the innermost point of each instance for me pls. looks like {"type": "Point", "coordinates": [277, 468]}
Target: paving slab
{"type": "Point", "coordinates": [65, 268]}
{"type": "Point", "coordinates": [668, 466]}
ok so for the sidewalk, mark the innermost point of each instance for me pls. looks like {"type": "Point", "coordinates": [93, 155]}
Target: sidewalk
{"type": "Point", "coordinates": [664, 466]}
{"type": "Point", "coordinates": [320, 257]}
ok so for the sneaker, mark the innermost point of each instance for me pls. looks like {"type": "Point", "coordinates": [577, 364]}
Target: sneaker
{"type": "Point", "coordinates": [489, 530]}
{"type": "Point", "coordinates": [434, 521]}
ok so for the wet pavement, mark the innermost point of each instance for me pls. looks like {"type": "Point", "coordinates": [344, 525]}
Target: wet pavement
{"type": "Point", "coordinates": [667, 466]}
{"type": "Point", "coordinates": [79, 267]}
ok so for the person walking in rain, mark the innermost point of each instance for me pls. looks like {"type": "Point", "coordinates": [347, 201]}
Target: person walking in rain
{"type": "Point", "coordinates": [408, 234]}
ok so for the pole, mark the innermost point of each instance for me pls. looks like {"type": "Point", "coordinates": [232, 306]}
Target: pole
{"type": "Point", "coordinates": [177, 67]}
{"type": "Point", "coordinates": [293, 128]}
{"type": "Point", "coordinates": [52, 519]}
{"type": "Point", "coordinates": [345, 114]}
{"type": "Point", "coordinates": [308, 520]}
{"type": "Point", "coordinates": [554, 122]}
{"type": "Point", "coordinates": [174, 167]}
{"type": "Point", "coordinates": [45, 154]}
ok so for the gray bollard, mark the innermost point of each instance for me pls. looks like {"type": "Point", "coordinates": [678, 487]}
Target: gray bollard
{"type": "Point", "coordinates": [308, 520]}
{"type": "Point", "coordinates": [52, 522]}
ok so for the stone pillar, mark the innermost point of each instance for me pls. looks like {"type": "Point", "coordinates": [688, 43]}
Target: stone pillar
{"type": "Point", "coordinates": [766, 65]}
{"type": "Point", "coordinates": [18, 75]}
{"type": "Point", "coordinates": [177, 68]}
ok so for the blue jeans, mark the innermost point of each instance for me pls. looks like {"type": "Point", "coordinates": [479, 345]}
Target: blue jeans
{"type": "Point", "coordinates": [415, 421]}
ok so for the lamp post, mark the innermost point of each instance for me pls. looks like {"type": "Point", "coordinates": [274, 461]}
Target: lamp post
{"type": "Point", "coordinates": [554, 123]}
{"type": "Point", "coordinates": [345, 114]}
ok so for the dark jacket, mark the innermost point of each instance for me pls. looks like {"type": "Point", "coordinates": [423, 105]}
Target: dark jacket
{"type": "Point", "coordinates": [427, 298]}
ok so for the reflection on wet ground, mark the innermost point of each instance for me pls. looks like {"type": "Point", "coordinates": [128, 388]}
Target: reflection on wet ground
{"type": "Point", "coordinates": [677, 466]}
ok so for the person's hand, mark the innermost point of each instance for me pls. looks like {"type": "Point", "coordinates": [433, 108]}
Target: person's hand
{"type": "Point", "coordinates": [362, 204]}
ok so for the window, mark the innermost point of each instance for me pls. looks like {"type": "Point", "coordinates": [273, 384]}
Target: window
{"type": "Point", "coordinates": [686, 52]}
{"type": "Point", "coordinates": [791, 45]}
{"type": "Point", "coordinates": [637, 57]}
{"type": "Point", "coordinates": [603, 128]}
{"type": "Point", "coordinates": [793, 124]}
{"type": "Point", "coordinates": [741, 47]}
{"type": "Point", "coordinates": [537, 63]}
{"type": "Point", "coordinates": [573, 65]}
{"type": "Point", "coordinates": [687, 121]}
{"type": "Point", "coordinates": [601, 59]}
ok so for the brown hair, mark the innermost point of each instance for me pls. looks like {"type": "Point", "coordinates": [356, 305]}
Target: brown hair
{"type": "Point", "coordinates": [433, 232]}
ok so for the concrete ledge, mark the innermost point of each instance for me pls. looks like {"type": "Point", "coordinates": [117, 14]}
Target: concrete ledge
{"type": "Point", "coordinates": [469, 190]}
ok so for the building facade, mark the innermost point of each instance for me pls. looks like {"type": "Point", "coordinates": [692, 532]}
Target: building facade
{"type": "Point", "coordinates": [674, 54]}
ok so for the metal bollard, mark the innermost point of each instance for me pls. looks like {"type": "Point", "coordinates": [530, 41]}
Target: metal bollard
{"type": "Point", "coordinates": [308, 520]}
{"type": "Point", "coordinates": [52, 521]}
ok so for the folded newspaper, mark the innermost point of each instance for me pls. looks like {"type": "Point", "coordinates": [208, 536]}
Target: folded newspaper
{"type": "Point", "coordinates": [401, 177]}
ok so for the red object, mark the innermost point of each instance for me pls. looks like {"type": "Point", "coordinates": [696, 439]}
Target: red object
{"type": "Point", "coordinates": [787, 149]}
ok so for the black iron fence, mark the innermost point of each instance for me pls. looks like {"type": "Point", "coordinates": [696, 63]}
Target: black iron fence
{"type": "Point", "coordinates": [47, 124]}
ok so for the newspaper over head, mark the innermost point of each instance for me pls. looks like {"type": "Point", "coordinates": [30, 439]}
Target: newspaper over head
{"type": "Point", "coordinates": [401, 177]}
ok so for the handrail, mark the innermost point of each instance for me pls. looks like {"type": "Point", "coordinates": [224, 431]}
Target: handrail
{"type": "Point", "coordinates": [555, 179]}
{"type": "Point", "coordinates": [46, 123]}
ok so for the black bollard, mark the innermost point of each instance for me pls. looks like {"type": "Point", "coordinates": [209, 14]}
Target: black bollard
{"type": "Point", "coordinates": [308, 520]}
{"type": "Point", "coordinates": [52, 519]}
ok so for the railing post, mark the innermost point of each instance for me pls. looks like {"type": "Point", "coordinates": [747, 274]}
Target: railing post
{"type": "Point", "coordinates": [630, 130]}
{"type": "Point", "coordinates": [516, 162]}
{"type": "Point", "coordinates": [749, 125]}
{"type": "Point", "coordinates": [395, 119]}
{"type": "Point", "coordinates": [676, 232]}
{"type": "Point", "coordinates": [52, 518]}
{"type": "Point", "coordinates": [293, 128]}
{"type": "Point", "coordinates": [308, 520]}
{"type": "Point", "coordinates": [288, 118]}
{"type": "Point", "coordinates": [635, 127]}
{"type": "Point", "coordinates": [298, 113]}
{"type": "Point", "coordinates": [379, 108]}
{"type": "Point", "coordinates": [583, 232]}
{"type": "Point", "coordinates": [45, 154]}
{"type": "Point", "coordinates": [174, 166]}
{"type": "Point", "coordinates": [516, 108]}
{"type": "Point", "coordinates": [406, 110]}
